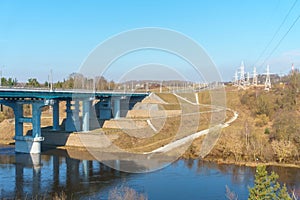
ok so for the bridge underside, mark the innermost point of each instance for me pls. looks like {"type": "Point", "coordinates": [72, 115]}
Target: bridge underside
{"type": "Point", "coordinates": [93, 111]}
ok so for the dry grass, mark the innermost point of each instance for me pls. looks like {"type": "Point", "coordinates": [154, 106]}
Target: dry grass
{"type": "Point", "coordinates": [168, 97]}
{"type": "Point", "coordinates": [174, 128]}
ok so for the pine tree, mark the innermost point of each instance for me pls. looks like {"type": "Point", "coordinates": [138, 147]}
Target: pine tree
{"type": "Point", "coordinates": [266, 186]}
{"type": "Point", "coordinates": [283, 194]}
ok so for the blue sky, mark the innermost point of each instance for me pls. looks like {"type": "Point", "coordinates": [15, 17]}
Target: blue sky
{"type": "Point", "coordinates": [36, 36]}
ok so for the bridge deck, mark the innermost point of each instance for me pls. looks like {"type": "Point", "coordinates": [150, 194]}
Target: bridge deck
{"type": "Point", "coordinates": [61, 94]}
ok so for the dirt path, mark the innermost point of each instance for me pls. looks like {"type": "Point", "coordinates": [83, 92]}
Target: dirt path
{"type": "Point", "coordinates": [190, 138]}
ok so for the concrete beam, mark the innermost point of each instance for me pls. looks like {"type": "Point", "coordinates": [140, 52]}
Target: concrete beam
{"type": "Point", "coordinates": [25, 119]}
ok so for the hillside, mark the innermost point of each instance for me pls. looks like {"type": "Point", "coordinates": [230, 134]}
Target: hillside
{"type": "Point", "coordinates": [266, 131]}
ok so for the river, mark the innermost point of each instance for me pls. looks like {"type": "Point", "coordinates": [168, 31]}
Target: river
{"type": "Point", "coordinates": [24, 176]}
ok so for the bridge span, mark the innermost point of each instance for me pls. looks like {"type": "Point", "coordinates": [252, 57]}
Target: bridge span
{"type": "Point", "coordinates": [106, 105]}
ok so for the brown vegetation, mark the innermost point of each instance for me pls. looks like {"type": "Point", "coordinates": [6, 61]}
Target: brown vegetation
{"type": "Point", "coordinates": [267, 129]}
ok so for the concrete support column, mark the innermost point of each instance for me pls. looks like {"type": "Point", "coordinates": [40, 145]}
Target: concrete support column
{"type": "Point", "coordinates": [117, 165]}
{"type": "Point", "coordinates": [76, 116]}
{"type": "Point", "coordinates": [55, 115]}
{"type": "Point", "coordinates": [117, 107]}
{"type": "Point", "coordinates": [36, 120]}
{"type": "Point", "coordinates": [72, 121]}
{"type": "Point", "coordinates": [69, 125]}
{"type": "Point", "coordinates": [86, 104]}
{"type": "Point", "coordinates": [18, 112]}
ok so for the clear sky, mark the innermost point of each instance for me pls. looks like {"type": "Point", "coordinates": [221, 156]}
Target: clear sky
{"type": "Point", "coordinates": [36, 36]}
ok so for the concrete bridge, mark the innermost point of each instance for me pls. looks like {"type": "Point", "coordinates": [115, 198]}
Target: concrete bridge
{"type": "Point", "coordinates": [106, 105]}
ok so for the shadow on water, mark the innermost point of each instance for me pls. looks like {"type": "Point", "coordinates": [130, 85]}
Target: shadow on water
{"type": "Point", "coordinates": [79, 176]}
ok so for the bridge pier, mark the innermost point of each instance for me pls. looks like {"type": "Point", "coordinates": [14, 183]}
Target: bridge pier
{"type": "Point", "coordinates": [104, 109]}
{"type": "Point", "coordinates": [18, 112]}
{"type": "Point", "coordinates": [117, 107]}
{"type": "Point", "coordinates": [27, 143]}
{"type": "Point", "coordinates": [55, 115]}
{"type": "Point", "coordinates": [86, 105]}
{"type": "Point", "coordinates": [72, 121]}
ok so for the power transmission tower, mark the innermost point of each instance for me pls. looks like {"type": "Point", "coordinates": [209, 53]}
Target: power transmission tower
{"type": "Point", "coordinates": [242, 76]}
{"type": "Point", "coordinates": [248, 79]}
{"type": "Point", "coordinates": [236, 79]}
{"type": "Point", "coordinates": [268, 80]}
{"type": "Point", "coordinates": [254, 80]}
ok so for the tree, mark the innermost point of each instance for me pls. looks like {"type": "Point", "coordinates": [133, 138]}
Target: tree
{"type": "Point", "coordinates": [284, 150]}
{"type": "Point", "coordinates": [8, 82]}
{"type": "Point", "coordinates": [266, 186]}
{"type": "Point", "coordinates": [264, 105]}
{"type": "Point", "coordinates": [46, 84]}
{"type": "Point", "coordinates": [33, 82]}
{"type": "Point", "coordinates": [283, 194]}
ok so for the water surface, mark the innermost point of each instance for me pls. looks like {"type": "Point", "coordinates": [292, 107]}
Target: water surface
{"type": "Point", "coordinates": [23, 175]}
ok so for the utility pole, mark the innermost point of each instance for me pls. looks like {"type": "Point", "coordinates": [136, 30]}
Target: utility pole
{"type": "Point", "coordinates": [268, 80]}
{"type": "Point", "coordinates": [254, 80]}
{"type": "Point", "coordinates": [51, 79]}
{"type": "Point", "coordinates": [147, 86]}
{"type": "Point", "coordinates": [94, 85]}
{"type": "Point", "coordinates": [160, 88]}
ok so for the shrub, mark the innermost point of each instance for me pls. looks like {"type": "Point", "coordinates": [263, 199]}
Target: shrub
{"type": "Point", "coordinates": [267, 131]}
{"type": "Point", "coordinates": [261, 120]}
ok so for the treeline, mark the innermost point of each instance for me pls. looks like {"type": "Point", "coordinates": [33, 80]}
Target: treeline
{"type": "Point", "coordinates": [74, 81]}
{"type": "Point", "coordinates": [9, 81]}
{"type": "Point", "coordinates": [78, 81]}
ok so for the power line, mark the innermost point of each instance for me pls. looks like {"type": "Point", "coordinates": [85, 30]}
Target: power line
{"type": "Point", "coordinates": [275, 48]}
{"type": "Point", "coordinates": [276, 32]}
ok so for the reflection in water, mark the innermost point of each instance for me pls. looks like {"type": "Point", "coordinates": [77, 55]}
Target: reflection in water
{"type": "Point", "coordinates": [24, 175]}
{"type": "Point", "coordinates": [45, 175]}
